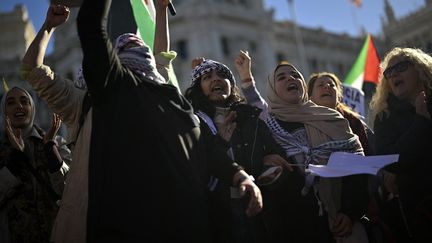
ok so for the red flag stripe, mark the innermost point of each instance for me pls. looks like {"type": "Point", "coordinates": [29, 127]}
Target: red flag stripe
{"type": "Point", "coordinates": [372, 69]}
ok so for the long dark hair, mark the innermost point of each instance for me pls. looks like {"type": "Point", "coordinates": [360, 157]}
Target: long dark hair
{"type": "Point", "coordinates": [201, 102]}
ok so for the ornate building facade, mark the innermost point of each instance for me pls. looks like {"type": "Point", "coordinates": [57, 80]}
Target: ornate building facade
{"type": "Point", "coordinates": [413, 30]}
{"type": "Point", "coordinates": [218, 29]}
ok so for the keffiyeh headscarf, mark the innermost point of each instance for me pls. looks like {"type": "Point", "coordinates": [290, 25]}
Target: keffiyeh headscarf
{"type": "Point", "coordinates": [209, 65]}
{"type": "Point", "coordinates": [137, 56]}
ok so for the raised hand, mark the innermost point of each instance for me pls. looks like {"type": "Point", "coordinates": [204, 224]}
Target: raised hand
{"type": "Point", "coordinates": [161, 4]}
{"type": "Point", "coordinates": [421, 105]}
{"type": "Point", "coordinates": [197, 61]}
{"type": "Point", "coordinates": [52, 132]}
{"type": "Point", "coordinates": [14, 135]}
{"type": "Point", "coordinates": [56, 15]}
{"type": "Point", "coordinates": [226, 129]}
{"type": "Point", "coordinates": [243, 66]}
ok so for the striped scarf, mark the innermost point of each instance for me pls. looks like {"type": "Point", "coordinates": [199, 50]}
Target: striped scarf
{"type": "Point", "coordinates": [314, 155]}
{"type": "Point", "coordinates": [135, 55]}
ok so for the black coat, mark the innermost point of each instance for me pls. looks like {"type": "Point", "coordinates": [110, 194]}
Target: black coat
{"type": "Point", "coordinates": [149, 161]}
{"type": "Point", "coordinates": [250, 142]}
{"type": "Point", "coordinates": [404, 132]}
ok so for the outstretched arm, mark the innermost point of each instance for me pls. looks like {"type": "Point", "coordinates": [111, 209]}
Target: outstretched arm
{"type": "Point", "coordinates": [56, 15]}
{"type": "Point", "coordinates": [253, 97]}
{"type": "Point", "coordinates": [161, 41]}
{"type": "Point", "coordinates": [100, 62]}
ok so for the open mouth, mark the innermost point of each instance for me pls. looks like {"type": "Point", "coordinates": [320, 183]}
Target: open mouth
{"type": "Point", "coordinates": [326, 95]}
{"type": "Point", "coordinates": [218, 89]}
{"type": "Point", "coordinates": [19, 115]}
{"type": "Point", "coordinates": [292, 87]}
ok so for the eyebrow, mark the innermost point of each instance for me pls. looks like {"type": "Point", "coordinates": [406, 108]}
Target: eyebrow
{"type": "Point", "coordinates": [280, 74]}
{"type": "Point", "coordinates": [20, 98]}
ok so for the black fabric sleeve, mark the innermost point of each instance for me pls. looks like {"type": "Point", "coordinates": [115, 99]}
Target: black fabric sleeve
{"type": "Point", "coordinates": [412, 144]}
{"type": "Point", "coordinates": [16, 161]}
{"type": "Point", "coordinates": [219, 164]}
{"type": "Point", "coordinates": [54, 159]}
{"type": "Point", "coordinates": [100, 62]}
{"type": "Point", "coordinates": [355, 196]}
{"type": "Point", "coordinates": [388, 141]}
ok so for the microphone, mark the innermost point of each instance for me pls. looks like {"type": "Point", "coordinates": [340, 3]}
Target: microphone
{"type": "Point", "coordinates": [172, 9]}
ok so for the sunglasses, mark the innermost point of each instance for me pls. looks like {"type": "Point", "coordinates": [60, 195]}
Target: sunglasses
{"type": "Point", "coordinates": [398, 67]}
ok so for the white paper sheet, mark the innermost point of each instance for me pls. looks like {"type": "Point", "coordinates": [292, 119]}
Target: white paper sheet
{"type": "Point", "coordinates": [344, 164]}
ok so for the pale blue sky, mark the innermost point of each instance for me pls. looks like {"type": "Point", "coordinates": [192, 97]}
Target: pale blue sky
{"type": "Point", "coordinates": [339, 16]}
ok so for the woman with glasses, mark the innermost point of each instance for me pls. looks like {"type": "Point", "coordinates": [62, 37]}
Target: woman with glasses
{"type": "Point", "coordinates": [402, 107]}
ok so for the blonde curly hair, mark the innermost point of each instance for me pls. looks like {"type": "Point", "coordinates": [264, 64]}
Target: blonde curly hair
{"type": "Point", "coordinates": [423, 65]}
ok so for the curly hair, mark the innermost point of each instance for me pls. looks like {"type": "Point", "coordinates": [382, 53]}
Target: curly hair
{"type": "Point", "coordinates": [423, 65]}
{"type": "Point", "coordinates": [339, 92]}
{"type": "Point", "coordinates": [201, 102]}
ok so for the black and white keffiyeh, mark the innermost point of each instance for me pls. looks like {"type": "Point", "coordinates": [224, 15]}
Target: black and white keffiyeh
{"type": "Point", "coordinates": [209, 65]}
{"type": "Point", "coordinates": [293, 146]}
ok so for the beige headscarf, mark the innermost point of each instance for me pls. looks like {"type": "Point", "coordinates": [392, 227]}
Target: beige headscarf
{"type": "Point", "coordinates": [322, 124]}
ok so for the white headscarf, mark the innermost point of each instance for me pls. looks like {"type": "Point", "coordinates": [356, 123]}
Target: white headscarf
{"type": "Point", "coordinates": [27, 130]}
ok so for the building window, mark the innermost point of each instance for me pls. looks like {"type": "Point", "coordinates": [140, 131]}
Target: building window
{"type": "Point", "coordinates": [429, 47]}
{"type": "Point", "coordinates": [245, 3]}
{"type": "Point", "coordinates": [340, 68]}
{"type": "Point", "coordinates": [182, 50]}
{"type": "Point", "coordinates": [253, 46]}
{"type": "Point", "coordinates": [280, 57]}
{"type": "Point", "coordinates": [313, 64]}
{"type": "Point", "coordinates": [225, 46]}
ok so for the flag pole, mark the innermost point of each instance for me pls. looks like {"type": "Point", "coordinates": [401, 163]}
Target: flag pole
{"type": "Point", "coordinates": [299, 39]}
{"type": "Point", "coordinates": [354, 17]}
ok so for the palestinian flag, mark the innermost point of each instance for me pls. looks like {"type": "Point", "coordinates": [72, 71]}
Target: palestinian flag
{"type": "Point", "coordinates": [365, 70]}
{"type": "Point", "coordinates": [366, 66]}
{"type": "Point", "coordinates": [145, 17]}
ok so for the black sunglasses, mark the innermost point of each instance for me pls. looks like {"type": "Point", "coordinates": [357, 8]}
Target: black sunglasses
{"type": "Point", "coordinates": [398, 67]}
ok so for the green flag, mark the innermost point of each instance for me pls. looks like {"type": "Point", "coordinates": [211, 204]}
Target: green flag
{"type": "Point", "coordinates": [145, 18]}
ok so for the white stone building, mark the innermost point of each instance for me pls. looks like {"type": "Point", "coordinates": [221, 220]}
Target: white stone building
{"type": "Point", "coordinates": [218, 29]}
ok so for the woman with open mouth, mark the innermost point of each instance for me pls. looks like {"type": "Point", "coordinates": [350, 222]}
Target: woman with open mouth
{"type": "Point", "coordinates": [33, 166]}
{"type": "Point", "coordinates": [217, 102]}
{"type": "Point", "coordinates": [325, 89]}
{"type": "Point", "coordinates": [308, 209]}
{"type": "Point", "coordinates": [402, 107]}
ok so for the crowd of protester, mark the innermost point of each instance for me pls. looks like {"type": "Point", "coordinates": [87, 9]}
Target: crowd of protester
{"type": "Point", "coordinates": [144, 163]}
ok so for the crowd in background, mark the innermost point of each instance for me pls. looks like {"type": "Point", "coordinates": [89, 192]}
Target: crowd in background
{"type": "Point", "coordinates": [222, 163]}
